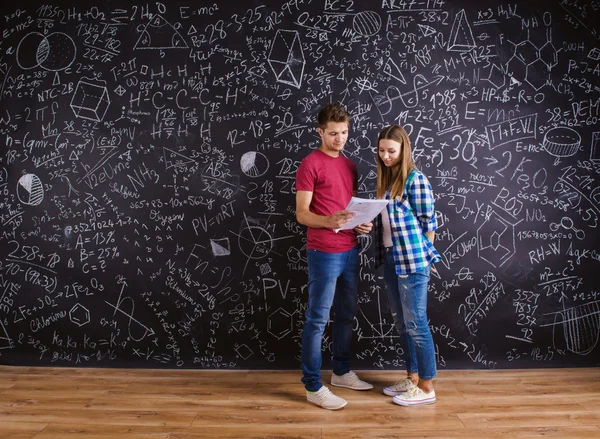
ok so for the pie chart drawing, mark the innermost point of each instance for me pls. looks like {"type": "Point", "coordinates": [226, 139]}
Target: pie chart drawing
{"type": "Point", "coordinates": [255, 242]}
{"type": "Point", "coordinates": [30, 190]}
{"type": "Point", "coordinates": [254, 164]}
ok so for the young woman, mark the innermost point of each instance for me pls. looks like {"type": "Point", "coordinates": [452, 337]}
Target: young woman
{"type": "Point", "coordinates": [404, 234]}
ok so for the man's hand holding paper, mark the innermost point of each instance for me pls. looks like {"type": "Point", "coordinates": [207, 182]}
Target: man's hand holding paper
{"type": "Point", "coordinates": [363, 210]}
{"type": "Point", "coordinates": [339, 219]}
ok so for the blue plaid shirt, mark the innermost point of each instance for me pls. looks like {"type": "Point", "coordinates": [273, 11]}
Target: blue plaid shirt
{"type": "Point", "coordinates": [410, 218]}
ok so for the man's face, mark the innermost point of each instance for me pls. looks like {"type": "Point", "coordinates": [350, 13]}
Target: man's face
{"type": "Point", "coordinates": [334, 136]}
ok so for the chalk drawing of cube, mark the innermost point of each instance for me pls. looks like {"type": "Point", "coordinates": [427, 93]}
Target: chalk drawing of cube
{"type": "Point", "coordinates": [90, 101]}
{"type": "Point", "coordinates": [287, 57]}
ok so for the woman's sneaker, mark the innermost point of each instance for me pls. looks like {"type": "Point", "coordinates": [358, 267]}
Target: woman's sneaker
{"type": "Point", "coordinates": [401, 386]}
{"type": "Point", "coordinates": [326, 399]}
{"type": "Point", "coordinates": [414, 396]}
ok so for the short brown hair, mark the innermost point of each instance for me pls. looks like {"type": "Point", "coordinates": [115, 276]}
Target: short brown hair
{"type": "Point", "coordinates": [333, 113]}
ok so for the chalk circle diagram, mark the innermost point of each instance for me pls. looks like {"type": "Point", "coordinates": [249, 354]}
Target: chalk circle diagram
{"type": "Point", "coordinates": [562, 141]}
{"type": "Point", "coordinates": [53, 52]}
{"type": "Point", "coordinates": [254, 164]}
{"type": "Point", "coordinates": [366, 23]}
{"type": "Point", "coordinates": [30, 190]}
{"type": "Point", "coordinates": [255, 242]}
{"type": "Point", "coordinates": [160, 34]}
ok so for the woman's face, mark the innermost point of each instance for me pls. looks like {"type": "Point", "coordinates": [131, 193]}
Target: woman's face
{"type": "Point", "coordinates": [389, 153]}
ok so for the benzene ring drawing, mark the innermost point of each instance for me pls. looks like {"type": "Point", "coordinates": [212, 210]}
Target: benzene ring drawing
{"type": "Point", "coordinates": [79, 315]}
{"type": "Point", "coordinates": [287, 58]}
{"type": "Point", "coordinates": [496, 240]}
{"type": "Point", "coordinates": [53, 52]}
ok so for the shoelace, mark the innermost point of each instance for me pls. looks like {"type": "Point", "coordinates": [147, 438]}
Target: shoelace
{"type": "Point", "coordinates": [413, 391]}
{"type": "Point", "coordinates": [403, 382]}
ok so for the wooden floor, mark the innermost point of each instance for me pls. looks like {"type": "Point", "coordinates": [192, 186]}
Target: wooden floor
{"type": "Point", "coordinates": [62, 403]}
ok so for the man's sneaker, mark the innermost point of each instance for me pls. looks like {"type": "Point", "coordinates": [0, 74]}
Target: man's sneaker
{"type": "Point", "coordinates": [414, 396]}
{"type": "Point", "coordinates": [324, 398]}
{"type": "Point", "coordinates": [349, 380]}
{"type": "Point", "coordinates": [401, 386]}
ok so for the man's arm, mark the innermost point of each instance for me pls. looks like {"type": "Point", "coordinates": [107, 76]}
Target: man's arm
{"type": "Point", "coordinates": [306, 217]}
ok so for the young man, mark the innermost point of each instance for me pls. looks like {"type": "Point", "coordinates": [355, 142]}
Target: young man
{"type": "Point", "coordinates": [325, 182]}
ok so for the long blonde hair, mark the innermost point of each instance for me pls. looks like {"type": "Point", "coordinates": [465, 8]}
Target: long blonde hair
{"type": "Point", "coordinates": [386, 180]}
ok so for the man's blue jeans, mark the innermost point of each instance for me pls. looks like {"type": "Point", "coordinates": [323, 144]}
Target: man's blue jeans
{"type": "Point", "coordinates": [332, 279]}
{"type": "Point", "coordinates": [407, 296]}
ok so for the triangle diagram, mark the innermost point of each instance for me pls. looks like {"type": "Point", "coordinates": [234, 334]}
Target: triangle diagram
{"type": "Point", "coordinates": [287, 76]}
{"type": "Point", "coordinates": [461, 36]}
{"type": "Point", "coordinates": [392, 69]}
{"type": "Point", "coordinates": [427, 31]}
{"type": "Point", "coordinates": [174, 159]}
{"type": "Point", "coordinates": [420, 82]}
{"type": "Point", "coordinates": [160, 34]}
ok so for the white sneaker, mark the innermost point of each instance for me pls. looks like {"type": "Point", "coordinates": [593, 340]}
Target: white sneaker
{"type": "Point", "coordinates": [414, 396]}
{"type": "Point", "coordinates": [326, 399]}
{"type": "Point", "coordinates": [349, 380]}
{"type": "Point", "coordinates": [401, 386]}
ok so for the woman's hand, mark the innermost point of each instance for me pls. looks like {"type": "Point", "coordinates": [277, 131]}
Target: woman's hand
{"type": "Point", "coordinates": [364, 228]}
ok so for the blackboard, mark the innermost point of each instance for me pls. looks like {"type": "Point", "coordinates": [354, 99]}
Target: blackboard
{"type": "Point", "coordinates": [148, 159]}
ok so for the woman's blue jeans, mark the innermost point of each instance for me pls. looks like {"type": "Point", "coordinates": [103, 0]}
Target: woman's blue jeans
{"type": "Point", "coordinates": [332, 280]}
{"type": "Point", "coordinates": [407, 296]}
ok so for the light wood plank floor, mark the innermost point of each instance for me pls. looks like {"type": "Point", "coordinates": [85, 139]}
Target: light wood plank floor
{"type": "Point", "coordinates": [68, 403]}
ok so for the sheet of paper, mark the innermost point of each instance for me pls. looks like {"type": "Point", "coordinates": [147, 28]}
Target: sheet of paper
{"type": "Point", "coordinates": [365, 211]}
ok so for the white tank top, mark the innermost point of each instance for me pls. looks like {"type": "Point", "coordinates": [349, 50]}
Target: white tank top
{"type": "Point", "coordinates": [387, 230]}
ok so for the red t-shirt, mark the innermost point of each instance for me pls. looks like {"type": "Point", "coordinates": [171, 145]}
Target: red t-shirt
{"type": "Point", "coordinates": [332, 180]}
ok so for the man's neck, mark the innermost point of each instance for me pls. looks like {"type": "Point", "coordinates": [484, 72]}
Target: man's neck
{"type": "Point", "coordinates": [330, 153]}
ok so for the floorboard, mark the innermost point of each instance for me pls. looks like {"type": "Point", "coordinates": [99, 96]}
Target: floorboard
{"type": "Point", "coordinates": [71, 403]}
